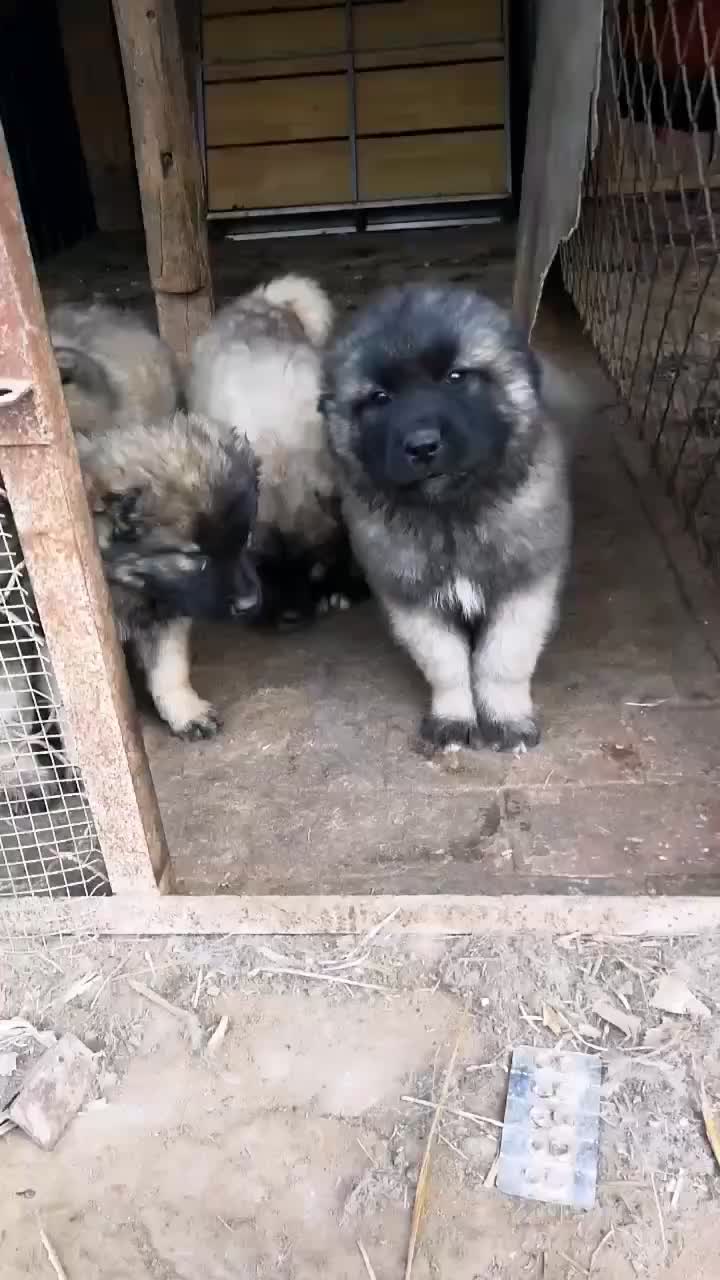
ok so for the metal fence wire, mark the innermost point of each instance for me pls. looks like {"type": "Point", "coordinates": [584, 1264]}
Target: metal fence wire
{"type": "Point", "coordinates": [48, 843]}
{"type": "Point", "coordinates": [642, 265]}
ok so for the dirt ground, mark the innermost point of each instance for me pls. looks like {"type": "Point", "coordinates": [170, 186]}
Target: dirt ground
{"type": "Point", "coordinates": [299, 1137]}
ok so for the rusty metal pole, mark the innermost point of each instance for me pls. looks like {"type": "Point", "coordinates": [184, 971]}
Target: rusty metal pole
{"type": "Point", "coordinates": [43, 482]}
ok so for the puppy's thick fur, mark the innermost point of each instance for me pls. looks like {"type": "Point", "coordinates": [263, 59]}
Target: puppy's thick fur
{"type": "Point", "coordinates": [454, 490]}
{"type": "Point", "coordinates": [259, 369]}
{"type": "Point", "coordinates": [174, 504]}
{"type": "Point", "coordinates": [113, 368]}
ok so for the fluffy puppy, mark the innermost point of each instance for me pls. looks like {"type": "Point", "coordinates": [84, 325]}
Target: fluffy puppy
{"type": "Point", "coordinates": [454, 490]}
{"type": "Point", "coordinates": [174, 504]}
{"type": "Point", "coordinates": [112, 366]}
{"type": "Point", "coordinates": [259, 369]}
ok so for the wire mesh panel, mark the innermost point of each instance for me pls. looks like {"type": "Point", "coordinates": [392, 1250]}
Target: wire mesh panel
{"type": "Point", "coordinates": [48, 843]}
{"type": "Point", "coordinates": [642, 266]}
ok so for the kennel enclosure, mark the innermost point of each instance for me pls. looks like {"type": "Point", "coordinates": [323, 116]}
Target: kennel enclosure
{"type": "Point", "coordinates": [312, 814]}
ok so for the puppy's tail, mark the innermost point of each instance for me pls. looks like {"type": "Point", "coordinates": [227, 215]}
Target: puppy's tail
{"type": "Point", "coordinates": [306, 300]}
{"type": "Point", "coordinates": [570, 399]}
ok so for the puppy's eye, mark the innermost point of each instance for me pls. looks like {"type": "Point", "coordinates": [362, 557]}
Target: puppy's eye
{"type": "Point", "coordinates": [457, 375]}
{"type": "Point", "coordinates": [378, 397]}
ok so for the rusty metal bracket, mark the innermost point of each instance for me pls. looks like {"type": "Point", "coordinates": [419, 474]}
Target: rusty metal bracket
{"type": "Point", "coordinates": [19, 421]}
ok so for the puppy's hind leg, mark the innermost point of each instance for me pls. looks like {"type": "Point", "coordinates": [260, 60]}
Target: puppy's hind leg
{"type": "Point", "coordinates": [504, 664]}
{"type": "Point", "coordinates": [443, 655]}
{"type": "Point", "coordinates": [164, 653]}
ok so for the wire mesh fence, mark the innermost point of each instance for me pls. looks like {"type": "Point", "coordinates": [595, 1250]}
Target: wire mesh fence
{"type": "Point", "coordinates": [48, 843]}
{"type": "Point", "coordinates": [642, 266]}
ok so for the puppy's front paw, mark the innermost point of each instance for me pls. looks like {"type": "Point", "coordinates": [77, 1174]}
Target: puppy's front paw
{"type": "Point", "coordinates": [438, 735]}
{"type": "Point", "coordinates": [202, 726]}
{"type": "Point", "coordinates": [509, 735]}
{"type": "Point", "coordinates": [192, 718]}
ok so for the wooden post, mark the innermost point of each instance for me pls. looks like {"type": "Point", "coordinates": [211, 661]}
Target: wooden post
{"type": "Point", "coordinates": [168, 167]}
{"type": "Point", "coordinates": [42, 478]}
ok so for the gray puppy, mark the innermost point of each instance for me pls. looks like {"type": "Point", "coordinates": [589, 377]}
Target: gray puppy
{"type": "Point", "coordinates": [112, 366]}
{"type": "Point", "coordinates": [454, 490]}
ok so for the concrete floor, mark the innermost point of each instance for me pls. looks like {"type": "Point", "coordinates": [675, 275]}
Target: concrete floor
{"type": "Point", "coordinates": [314, 786]}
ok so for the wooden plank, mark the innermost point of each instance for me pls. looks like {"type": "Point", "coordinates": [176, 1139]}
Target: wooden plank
{"type": "Point", "coordinates": [96, 85]}
{"type": "Point", "coordinates": [426, 98]}
{"type": "Point", "coordinates": [273, 35]}
{"type": "Point", "coordinates": [60, 550]}
{"type": "Point", "coordinates": [169, 167]}
{"type": "Point", "coordinates": [432, 165]}
{"type": "Point", "coordinates": [443, 914]}
{"type": "Point", "coordinates": [485, 49]}
{"type": "Point", "coordinates": [414, 22]}
{"type": "Point", "coordinates": [277, 110]}
{"type": "Point", "coordinates": [262, 177]}
{"type": "Point", "coordinates": [212, 8]}
{"type": "Point", "coordinates": [230, 70]}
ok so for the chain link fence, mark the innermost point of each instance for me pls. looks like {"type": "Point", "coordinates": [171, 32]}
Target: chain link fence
{"type": "Point", "coordinates": [642, 266]}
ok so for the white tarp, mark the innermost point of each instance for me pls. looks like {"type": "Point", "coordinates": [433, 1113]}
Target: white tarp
{"type": "Point", "coordinates": [562, 104]}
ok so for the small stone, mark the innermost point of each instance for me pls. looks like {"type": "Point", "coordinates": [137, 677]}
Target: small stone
{"type": "Point", "coordinates": [53, 1091]}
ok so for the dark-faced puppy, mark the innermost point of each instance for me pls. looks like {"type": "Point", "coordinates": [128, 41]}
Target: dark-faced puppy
{"type": "Point", "coordinates": [454, 490]}
{"type": "Point", "coordinates": [174, 505]}
{"type": "Point", "coordinates": [299, 582]}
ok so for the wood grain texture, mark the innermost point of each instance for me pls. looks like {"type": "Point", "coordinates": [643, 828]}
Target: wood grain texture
{"type": "Point", "coordinates": [273, 177]}
{"type": "Point", "coordinates": [273, 35]}
{"type": "Point", "coordinates": [426, 98]}
{"type": "Point", "coordinates": [432, 165]}
{"type": "Point", "coordinates": [284, 110]}
{"type": "Point", "coordinates": [167, 156]}
{"type": "Point", "coordinates": [166, 152]}
{"type": "Point", "coordinates": [415, 22]}
{"type": "Point", "coordinates": [60, 551]}
{"type": "Point", "coordinates": [616, 915]}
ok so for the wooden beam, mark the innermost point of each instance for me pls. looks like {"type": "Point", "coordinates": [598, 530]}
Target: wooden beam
{"type": "Point", "coordinates": [169, 170]}
{"type": "Point", "coordinates": [42, 478]}
{"type": "Point", "coordinates": [443, 914]}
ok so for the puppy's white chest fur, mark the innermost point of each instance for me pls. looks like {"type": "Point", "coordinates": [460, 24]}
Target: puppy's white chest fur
{"type": "Point", "coordinates": [461, 594]}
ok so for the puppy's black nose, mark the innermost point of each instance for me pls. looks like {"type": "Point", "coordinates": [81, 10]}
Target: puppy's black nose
{"type": "Point", "coordinates": [422, 445]}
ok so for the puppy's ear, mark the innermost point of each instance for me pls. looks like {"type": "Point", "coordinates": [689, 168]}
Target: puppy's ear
{"type": "Point", "coordinates": [67, 364]}
{"type": "Point", "coordinates": [81, 370]}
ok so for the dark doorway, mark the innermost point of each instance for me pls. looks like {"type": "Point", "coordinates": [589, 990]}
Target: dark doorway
{"type": "Point", "coordinates": [37, 116]}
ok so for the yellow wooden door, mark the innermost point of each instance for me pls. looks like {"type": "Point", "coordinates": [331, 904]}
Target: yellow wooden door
{"type": "Point", "coordinates": [374, 101]}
